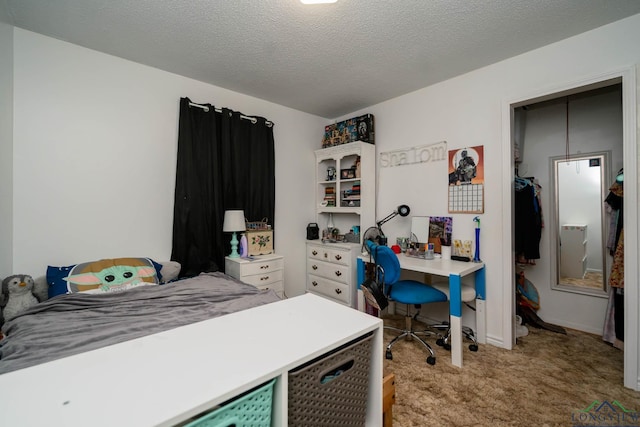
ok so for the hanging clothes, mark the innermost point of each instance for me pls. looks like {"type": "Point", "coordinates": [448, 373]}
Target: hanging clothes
{"type": "Point", "coordinates": [528, 220]}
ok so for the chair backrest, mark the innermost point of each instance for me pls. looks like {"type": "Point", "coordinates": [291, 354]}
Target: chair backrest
{"type": "Point", "coordinates": [387, 259]}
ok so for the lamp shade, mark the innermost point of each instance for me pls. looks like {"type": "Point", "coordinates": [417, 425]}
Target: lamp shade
{"type": "Point", "coordinates": [234, 221]}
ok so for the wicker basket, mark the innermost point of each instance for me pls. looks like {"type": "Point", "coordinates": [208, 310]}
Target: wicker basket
{"type": "Point", "coordinates": [332, 389]}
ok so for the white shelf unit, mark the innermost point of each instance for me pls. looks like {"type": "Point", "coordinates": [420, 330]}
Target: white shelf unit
{"type": "Point", "coordinates": [219, 359]}
{"type": "Point", "coordinates": [573, 250]}
{"type": "Point", "coordinates": [346, 212]}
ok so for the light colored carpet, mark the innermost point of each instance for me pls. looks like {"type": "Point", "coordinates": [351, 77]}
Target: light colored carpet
{"type": "Point", "coordinates": [546, 380]}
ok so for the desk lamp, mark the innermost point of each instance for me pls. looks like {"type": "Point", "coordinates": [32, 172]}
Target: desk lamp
{"type": "Point", "coordinates": [234, 222]}
{"type": "Point", "coordinates": [402, 210]}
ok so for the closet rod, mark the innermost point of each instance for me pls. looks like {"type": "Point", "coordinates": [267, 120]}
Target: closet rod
{"type": "Point", "coordinates": [217, 110]}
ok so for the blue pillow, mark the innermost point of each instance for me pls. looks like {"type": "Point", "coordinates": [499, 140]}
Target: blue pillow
{"type": "Point", "coordinates": [55, 279]}
{"type": "Point", "coordinates": [158, 267]}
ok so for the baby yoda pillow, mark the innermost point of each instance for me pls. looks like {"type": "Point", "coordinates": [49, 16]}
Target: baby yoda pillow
{"type": "Point", "coordinates": [111, 275]}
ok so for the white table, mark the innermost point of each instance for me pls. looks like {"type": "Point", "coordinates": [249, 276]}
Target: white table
{"type": "Point", "coordinates": [165, 378]}
{"type": "Point", "coordinates": [454, 270]}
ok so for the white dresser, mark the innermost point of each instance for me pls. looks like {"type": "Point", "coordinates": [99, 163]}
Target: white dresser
{"type": "Point", "coordinates": [331, 271]}
{"type": "Point", "coordinates": [262, 271]}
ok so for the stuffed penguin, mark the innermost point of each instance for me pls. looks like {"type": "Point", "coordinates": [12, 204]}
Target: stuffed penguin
{"type": "Point", "coordinates": [17, 293]}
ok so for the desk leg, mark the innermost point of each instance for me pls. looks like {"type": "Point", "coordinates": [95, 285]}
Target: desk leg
{"type": "Point", "coordinates": [481, 313]}
{"type": "Point", "coordinates": [455, 313]}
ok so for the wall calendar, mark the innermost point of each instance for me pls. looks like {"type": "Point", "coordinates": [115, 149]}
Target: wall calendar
{"type": "Point", "coordinates": [466, 180]}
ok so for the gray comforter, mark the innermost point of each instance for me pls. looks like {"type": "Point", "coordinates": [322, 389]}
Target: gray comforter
{"type": "Point", "coordinates": [75, 323]}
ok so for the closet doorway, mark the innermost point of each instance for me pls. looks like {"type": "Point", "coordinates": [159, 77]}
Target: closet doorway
{"type": "Point", "coordinates": [539, 271]}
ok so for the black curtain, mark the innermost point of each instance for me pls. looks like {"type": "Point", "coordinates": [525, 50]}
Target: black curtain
{"type": "Point", "coordinates": [225, 161]}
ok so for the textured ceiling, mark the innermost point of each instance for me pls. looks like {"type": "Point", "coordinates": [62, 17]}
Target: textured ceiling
{"type": "Point", "coordinates": [327, 60]}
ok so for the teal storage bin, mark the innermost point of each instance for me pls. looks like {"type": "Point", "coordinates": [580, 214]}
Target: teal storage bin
{"type": "Point", "coordinates": [252, 409]}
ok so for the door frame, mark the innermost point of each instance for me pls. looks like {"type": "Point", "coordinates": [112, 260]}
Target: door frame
{"type": "Point", "coordinates": [627, 76]}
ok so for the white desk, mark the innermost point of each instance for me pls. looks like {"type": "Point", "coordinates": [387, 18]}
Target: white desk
{"type": "Point", "coordinates": [165, 378]}
{"type": "Point", "coordinates": [454, 270]}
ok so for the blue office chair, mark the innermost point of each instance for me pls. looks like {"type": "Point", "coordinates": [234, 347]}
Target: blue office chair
{"type": "Point", "coordinates": [411, 292]}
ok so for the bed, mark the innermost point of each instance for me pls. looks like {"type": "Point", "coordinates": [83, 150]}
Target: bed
{"type": "Point", "coordinates": [73, 323]}
{"type": "Point", "coordinates": [167, 353]}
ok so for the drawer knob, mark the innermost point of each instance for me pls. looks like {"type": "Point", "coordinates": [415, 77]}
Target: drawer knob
{"type": "Point", "coordinates": [338, 273]}
{"type": "Point", "coordinates": [314, 283]}
{"type": "Point", "coordinates": [338, 257]}
{"type": "Point", "coordinates": [314, 252]}
{"type": "Point", "coordinates": [315, 267]}
{"type": "Point", "coordinates": [264, 278]}
{"type": "Point", "coordinates": [338, 291]}
{"type": "Point", "coordinates": [264, 266]}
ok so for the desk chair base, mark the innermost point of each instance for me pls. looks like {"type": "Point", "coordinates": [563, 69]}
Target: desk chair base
{"type": "Point", "coordinates": [410, 334]}
{"type": "Point", "coordinates": [444, 340]}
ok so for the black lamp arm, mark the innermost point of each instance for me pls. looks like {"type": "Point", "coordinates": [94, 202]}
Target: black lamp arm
{"type": "Point", "coordinates": [402, 210]}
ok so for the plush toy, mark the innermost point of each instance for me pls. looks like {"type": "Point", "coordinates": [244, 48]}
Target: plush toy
{"type": "Point", "coordinates": [17, 296]}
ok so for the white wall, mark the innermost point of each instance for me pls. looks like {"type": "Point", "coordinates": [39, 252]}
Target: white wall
{"type": "Point", "coordinates": [467, 111]}
{"type": "Point", "coordinates": [6, 148]}
{"type": "Point", "coordinates": [95, 151]}
{"type": "Point", "coordinates": [595, 125]}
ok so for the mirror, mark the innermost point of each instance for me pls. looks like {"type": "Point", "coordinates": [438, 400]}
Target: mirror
{"type": "Point", "coordinates": [420, 229]}
{"type": "Point", "coordinates": [579, 262]}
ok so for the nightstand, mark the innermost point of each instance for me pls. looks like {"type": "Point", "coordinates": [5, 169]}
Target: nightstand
{"type": "Point", "coordinates": [263, 272]}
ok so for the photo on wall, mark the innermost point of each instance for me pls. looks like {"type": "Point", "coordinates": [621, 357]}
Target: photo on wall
{"type": "Point", "coordinates": [466, 180]}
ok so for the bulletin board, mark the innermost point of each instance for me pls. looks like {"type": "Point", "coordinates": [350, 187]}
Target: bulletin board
{"type": "Point", "coordinates": [466, 180]}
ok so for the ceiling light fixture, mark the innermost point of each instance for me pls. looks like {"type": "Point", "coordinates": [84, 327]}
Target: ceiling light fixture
{"type": "Point", "coordinates": [317, 1]}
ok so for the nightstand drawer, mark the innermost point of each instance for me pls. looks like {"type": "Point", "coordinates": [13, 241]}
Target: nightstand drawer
{"type": "Point", "coordinates": [261, 267]}
{"type": "Point", "coordinates": [329, 288]}
{"type": "Point", "coordinates": [339, 273]}
{"type": "Point", "coordinates": [277, 287]}
{"type": "Point", "coordinates": [263, 278]}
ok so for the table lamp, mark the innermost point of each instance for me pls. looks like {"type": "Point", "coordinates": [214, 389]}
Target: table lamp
{"type": "Point", "coordinates": [402, 210]}
{"type": "Point", "coordinates": [233, 222]}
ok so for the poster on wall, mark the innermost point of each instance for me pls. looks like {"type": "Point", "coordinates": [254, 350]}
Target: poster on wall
{"type": "Point", "coordinates": [440, 229]}
{"type": "Point", "coordinates": [466, 180]}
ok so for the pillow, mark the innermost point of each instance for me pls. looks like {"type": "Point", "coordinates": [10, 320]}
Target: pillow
{"type": "Point", "coordinates": [56, 279]}
{"type": "Point", "coordinates": [170, 271]}
{"type": "Point", "coordinates": [111, 275]}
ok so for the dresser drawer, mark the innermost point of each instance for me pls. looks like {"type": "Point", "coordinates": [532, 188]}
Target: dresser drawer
{"type": "Point", "coordinates": [329, 288]}
{"type": "Point", "coordinates": [339, 273]}
{"type": "Point", "coordinates": [329, 254]}
{"type": "Point", "coordinates": [260, 267]}
{"type": "Point", "coordinates": [264, 278]}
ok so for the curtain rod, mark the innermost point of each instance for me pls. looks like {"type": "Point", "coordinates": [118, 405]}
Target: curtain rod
{"type": "Point", "coordinates": [217, 110]}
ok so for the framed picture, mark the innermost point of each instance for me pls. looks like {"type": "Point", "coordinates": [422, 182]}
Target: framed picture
{"type": "Point", "coordinates": [347, 173]}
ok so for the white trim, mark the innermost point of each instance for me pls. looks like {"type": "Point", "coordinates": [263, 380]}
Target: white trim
{"type": "Point", "coordinates": [630, 129]}
{"type": "Point", "coordinates": [631, 272]}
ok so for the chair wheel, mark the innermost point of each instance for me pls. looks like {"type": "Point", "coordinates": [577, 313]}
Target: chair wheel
{"type": "Point", "coordinates": [388, 355]}
{"type": "Point", "coordinates": [440, 342]}
{"type": "Point", "coordinates": [447, 346]}
{"type": "Point", "coordinates": [473, 347]}
{"type": "Point", "coordinates": [431, 360]}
